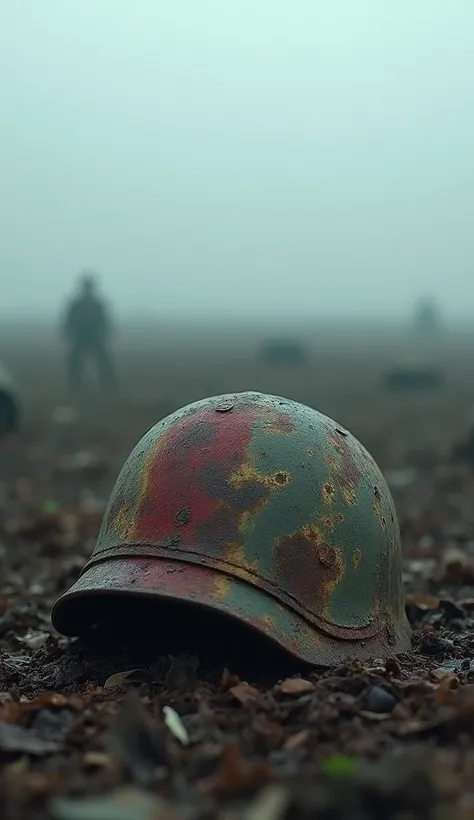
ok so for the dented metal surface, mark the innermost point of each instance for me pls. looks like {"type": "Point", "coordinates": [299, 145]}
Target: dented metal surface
{"type": "Point", "coordinates": [265, 510]}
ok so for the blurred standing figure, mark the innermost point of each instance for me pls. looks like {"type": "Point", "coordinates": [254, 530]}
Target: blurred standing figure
{"type": "Point", "coordinates": [87, 330]}
{"type": "Point", "coordinates": [427, 319]}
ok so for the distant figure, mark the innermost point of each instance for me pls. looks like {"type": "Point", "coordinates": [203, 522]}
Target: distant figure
{"type": "Point", "coordinates": [427, 320]}
{"type": "Point", "coordinates": [87, 330]}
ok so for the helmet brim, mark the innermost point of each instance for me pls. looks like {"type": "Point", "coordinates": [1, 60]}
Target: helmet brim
{"type": "Point", "coordinates": [75, 612]}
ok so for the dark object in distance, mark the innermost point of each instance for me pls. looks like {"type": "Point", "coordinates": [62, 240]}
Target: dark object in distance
{"type": "Point", "coordinates": [283, 352]}
{"type": "Point", "coordinates": [9, 404]}
{"type": "Point", "coordinates": [413, 378]}
{"type": "Point", "coordinates": [427, 319]}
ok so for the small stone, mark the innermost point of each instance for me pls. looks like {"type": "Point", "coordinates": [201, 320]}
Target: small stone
{"type": "Point", "coordinates": [379, 700]}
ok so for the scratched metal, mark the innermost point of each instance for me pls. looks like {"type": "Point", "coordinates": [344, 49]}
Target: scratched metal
{"type": "Point", "coordinates": [264, 509]}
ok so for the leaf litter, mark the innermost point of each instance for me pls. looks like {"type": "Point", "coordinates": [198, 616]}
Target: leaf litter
{"type": "Point", "coordinates": [114, 731]}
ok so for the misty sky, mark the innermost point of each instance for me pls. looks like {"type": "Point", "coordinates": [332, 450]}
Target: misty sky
{"type": "Point", "coordinates": [238, 156]}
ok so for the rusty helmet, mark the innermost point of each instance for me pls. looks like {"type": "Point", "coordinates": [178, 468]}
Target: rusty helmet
{"type": "Point", "coordinates": [262, 509]}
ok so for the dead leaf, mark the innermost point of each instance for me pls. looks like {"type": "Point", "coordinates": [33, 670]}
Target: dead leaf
{"type": "Point", "coordinates": [296, 686]}
{"type": "Point", "coordinates": [175, 725]}
{"type": "Point", "coordinates": [464, 701]}
{"type": "Point", "coordinates": [444, 694]}
{"type": "Point", "coordinates": [458, 567]}
{"type": "Point", "coordinates": [244, 693]}
{"type": "Point", "coordinates": [236, 774]}
{"type": "Point", "coordinates": [229, 680]}
{"type": "Point", "coordinates": [120, 680]}
{"type": "Point", "coordinates": [440, 674]}
{"type": "Point", "coordinates": [99, 760]}
{"type": "Point", "coordinates": [375, 717]}
{"type": "Point", "coordinates": [297, 740]}
{"type": "Point", "coordinates": [425, 602]}
{"type": "Point", "coordinates": [270, 730]}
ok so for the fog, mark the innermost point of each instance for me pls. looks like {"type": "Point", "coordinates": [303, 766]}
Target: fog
{"type": "Point", "coordinates": [237, 158]}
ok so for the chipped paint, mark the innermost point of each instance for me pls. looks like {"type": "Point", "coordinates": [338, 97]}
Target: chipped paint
{"type": "Point", "coordinates": [349, 495]}
{"type": "Point", "coordinates": [328, 493]}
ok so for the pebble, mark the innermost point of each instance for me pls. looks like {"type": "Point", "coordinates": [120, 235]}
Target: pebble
{"type": "Point", "coordinates": [378, 699]}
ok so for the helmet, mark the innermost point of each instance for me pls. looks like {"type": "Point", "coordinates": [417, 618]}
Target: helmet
{"type": "Point", "coordinates": [264, 510]}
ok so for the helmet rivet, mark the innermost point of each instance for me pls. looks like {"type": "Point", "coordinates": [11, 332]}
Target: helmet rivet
{"type": "Point", "coordinates": [182, 516]}
{"type": "Point", "coordinates": [224, 407]}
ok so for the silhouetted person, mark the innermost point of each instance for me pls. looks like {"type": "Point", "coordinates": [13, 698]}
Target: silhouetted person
{"type": "Point", "coordinates": [87, 330]}
{"type": "Point", "coordinates": [427, 319]}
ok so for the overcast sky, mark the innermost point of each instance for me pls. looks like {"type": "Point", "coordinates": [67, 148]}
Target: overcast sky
{"type": "Point", "coordinates": [238, 156]}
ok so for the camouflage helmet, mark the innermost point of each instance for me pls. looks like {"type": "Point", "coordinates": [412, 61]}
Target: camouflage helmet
{"type": "Point", "coordinates": [262, 509]}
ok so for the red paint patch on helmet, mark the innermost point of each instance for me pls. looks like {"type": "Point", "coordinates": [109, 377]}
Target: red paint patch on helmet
{"type": "Point", "coordinates": [189, 468]}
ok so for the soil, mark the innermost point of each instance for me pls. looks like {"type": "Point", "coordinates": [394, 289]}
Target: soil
{"type": "Point", "coordinates": [139, 725]}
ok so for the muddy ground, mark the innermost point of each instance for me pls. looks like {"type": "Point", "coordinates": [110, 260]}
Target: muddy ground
{"type": "Point", "coordinates": [83, 734]}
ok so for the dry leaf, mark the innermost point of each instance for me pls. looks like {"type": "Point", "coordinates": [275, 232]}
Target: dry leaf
{"type": "Point", "coordinates": [444, 694]}
{"type": "Point", "coordinates": [375, 717]}
{"type": "Point", "coordinates": [99, 760]}
{"type": "Point", "coordinates": [175, 725]}
{"type": "Point", "coordinates": [425, 602]}
{"type": "Point", "coordinates": [236, 774]}
{"type": "Point", "coordinates": [440, 673]}
{"type": "Point", "coordinates": [297, 740]}
{"type": "Point", "coordinates": [296, 686]}
{"type": "Point", "coordinates": [120, 680]}
{"type": "Point", "coordinates": [229, 680]}
{"type": "Point", "coordinates": [244, 693]}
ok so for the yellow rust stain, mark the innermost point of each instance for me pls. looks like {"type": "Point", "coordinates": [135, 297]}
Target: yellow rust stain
{"type": "Point", "coordinates": [221, 586]}
{"type": "Point", "coordinates": [357, 557]}
{"type": "Point", "coordinates": [332, 464]}
{"type": "Point", "coordinates": [235, 554]}
{"type": "Point", "coordinates": [241, 566]}
{"type": "Point", "coordinates": [247, 518]}
{"type": "Point", "coordinates": [268, 620]}
{"type": "Point", "coordinates": [380, 518]}
{"type": "Point", "coordinates": [247, 473]}
{"type": "Point", "coordinates": [124, 522]}
{"type": "Point", "coordinates": [350, 496]}
{"type": "Point", "coordinates": [328, 493]}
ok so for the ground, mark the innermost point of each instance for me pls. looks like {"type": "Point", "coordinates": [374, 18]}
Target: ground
{"type": "Point", "coordinates": [84, 734]}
